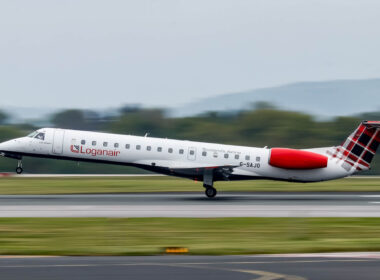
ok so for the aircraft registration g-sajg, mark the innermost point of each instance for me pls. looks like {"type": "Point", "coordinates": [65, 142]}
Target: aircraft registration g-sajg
{"type": "Point", "coordinates": [200, 161]}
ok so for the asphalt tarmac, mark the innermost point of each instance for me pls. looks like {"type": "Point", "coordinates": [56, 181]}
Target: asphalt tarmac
{"type": "Point", "coordinates": [285, 267]}
{"type": "Point", "coordinates": [193, 205]}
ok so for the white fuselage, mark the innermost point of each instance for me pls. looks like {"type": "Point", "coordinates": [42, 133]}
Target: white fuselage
{"type": "Point", "coordinates": [166, 156]}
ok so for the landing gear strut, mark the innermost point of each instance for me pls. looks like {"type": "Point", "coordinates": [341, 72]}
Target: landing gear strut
{"type": "Point", "coordinates": [208, 181]}
{"type": "Point", "coordinates": [19, 169]}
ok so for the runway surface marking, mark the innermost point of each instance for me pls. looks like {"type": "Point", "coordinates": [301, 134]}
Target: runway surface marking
{"type": "Point", "coordinates": [264, 267]}
{"type": "Point", "coordinates": [24, 257]}
{"type": "Point", "coordinates": [223, 267]}
{"type": "Point", "coordinates": [265, 275]}
{"type": "Point", "coordinates": [191, 205]}
{"type": "Point", "coordinates": [188, 263]}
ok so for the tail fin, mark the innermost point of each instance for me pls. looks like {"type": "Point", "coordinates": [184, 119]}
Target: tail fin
{"type": "Point", "coordinates": [360, 147]}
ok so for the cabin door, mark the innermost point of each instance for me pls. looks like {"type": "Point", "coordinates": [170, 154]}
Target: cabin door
{"type": "Point", "coordinates": [192, 153]}
{"type": "Point", "coordinates": [58, 141]}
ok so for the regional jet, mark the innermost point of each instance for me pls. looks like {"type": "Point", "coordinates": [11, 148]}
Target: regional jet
{"type": "Point", "coordinates": [200, 161]}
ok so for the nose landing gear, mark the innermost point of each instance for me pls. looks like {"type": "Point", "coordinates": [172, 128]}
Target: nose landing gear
{"type": "Point", "coordinates": [19, 169]}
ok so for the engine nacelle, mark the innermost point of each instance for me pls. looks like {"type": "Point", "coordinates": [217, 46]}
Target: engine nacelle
{"type": "Point", "coordinates": [296, 159]}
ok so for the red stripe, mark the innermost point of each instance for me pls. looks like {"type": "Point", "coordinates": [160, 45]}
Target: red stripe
{"type": "Point", "coordinates": [349, 147]}
{"type": "Point", "coordinates": [354, 158]}
{"type": "Point", "coordinates": [369, 132]}
{"type": "Point", "coordinates": [377, 137]}
{"type": "Point", "coordinates": [369, 149]}
{"type": "Point", "coordinates": [363, 163]}
{"type": "Point", "coordinates": [358, 132]}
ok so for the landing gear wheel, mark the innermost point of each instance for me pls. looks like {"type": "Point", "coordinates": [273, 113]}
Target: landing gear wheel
{"type": "Point", "coordinates": [210, 192]}
{"type": "Point", "coordinates": [19, 170]}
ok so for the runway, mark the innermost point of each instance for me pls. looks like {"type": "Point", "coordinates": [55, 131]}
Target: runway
{"type": "Point", "coordinates": [193, 205]}
{"type": "Point", "coordinates": [349, 266]}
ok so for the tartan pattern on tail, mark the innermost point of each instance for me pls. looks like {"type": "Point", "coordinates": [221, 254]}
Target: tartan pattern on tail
{"type": "Point", "coordinates": [360, 147]}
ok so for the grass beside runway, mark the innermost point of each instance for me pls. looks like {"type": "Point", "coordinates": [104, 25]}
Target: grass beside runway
{"type": "Point", "coordinates": [147, 236]}
{"type": "Point", "coordinates": [77, 185]}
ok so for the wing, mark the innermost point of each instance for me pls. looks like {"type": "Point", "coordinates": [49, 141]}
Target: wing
{"type": "Point", "coordinates": [222, 172]}
{"type": "Point", "coordinates": [189, 170]}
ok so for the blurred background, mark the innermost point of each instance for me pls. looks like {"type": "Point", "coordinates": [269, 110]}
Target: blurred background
{"type": "Point", "coordinates": [262, 125]}
{"type": "Point", "coordinates": [258, 73]}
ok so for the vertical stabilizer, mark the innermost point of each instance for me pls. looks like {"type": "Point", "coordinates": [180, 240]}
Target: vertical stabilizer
{"type": "Point", "coordinates": [360, 147]}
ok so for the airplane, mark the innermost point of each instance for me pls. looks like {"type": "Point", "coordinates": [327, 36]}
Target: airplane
{"type": "Point", "coordinates": [207, 162]}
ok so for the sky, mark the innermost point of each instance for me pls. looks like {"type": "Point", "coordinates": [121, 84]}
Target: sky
{"type": "Point", "coordinates": [164, 53]}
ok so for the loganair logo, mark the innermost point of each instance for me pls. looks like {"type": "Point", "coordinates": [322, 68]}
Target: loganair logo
{"type": "Point", "coordinates": [74, 148]}
{"type": "Point", "coordinates": [93, 152]}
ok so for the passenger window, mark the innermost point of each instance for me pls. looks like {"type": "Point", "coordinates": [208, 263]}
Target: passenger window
{"type": "Point", "coordinates": [181, 151]}
{"type": "Point", "coordinates": [127, 146]}
{"type": "Point", "coordinates": [215, 154]}
{"type": "Point", "coordinates": [93, 143]}
{"type": "Point", "coordinates": [148, 148]}
{"type": "Point", "coordinates": [247, 157]}
{"type": "Point", "coordinates": [192, 152]}
{"type": "Point", "coordinates": [138, 147]}
{"type": "Point", "coordinates": [105, 144]}
{"type": "Point", "coordinates": [204, 154]}
{"type": "Point", "coordinates": [40, 136]}
{"type": "Point", "coordinates": [170, 150]}
{"type": "Point", "coordinates": [236, 156]}
{"type": "Point", "coordinates": [257, 158]}
{"type": "Point", "coordinates": [116, 145]}
{"type": "Point", "coordinates": [225, 155]}
{"type": "Point", "coordinates": [83, 142]}
{"type": "Point", "coordinates": [159, 149]}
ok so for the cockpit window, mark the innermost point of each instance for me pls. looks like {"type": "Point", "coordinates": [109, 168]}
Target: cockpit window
{"type": "Point", "coordinates": [40, 136]}
{"type": "Point", "coordinates": [37, 135]}
{"type": "Point", "coordinates": [31, 135]}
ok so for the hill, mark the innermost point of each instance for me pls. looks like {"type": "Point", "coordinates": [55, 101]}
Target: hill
{"type": "Point", "coordinates": [326, 98]}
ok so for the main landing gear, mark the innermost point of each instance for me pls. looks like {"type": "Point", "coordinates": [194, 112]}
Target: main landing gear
{"type": "Point", "coordinates": [208, 181]}
{"type": "Point", "coordinates": [19, 169]}
{"type": "Point", "coordinates": [210, 191]}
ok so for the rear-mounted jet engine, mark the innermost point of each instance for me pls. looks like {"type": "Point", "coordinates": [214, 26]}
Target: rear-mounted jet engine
{"type": "Point", "coordinates": [296, 159]}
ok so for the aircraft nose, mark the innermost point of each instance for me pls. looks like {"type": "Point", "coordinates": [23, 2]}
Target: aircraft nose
{"type": "Point", "coordinates": [3, 146]}
{"type": "Point", "coordinates": [7, 145]}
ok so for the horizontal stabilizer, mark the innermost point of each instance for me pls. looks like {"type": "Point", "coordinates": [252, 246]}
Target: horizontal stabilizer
{"type": "Point", "coordinates": [371, 124]}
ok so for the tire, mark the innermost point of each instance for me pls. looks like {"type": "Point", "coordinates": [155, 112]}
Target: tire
{"type": "Point", "coordinates": [210, 192]}
{"type": "Point", "coordinates": [19, 170]}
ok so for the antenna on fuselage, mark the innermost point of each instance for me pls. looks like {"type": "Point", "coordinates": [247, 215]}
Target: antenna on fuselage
{"type": "Point", "coordinates": [146, 134]}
